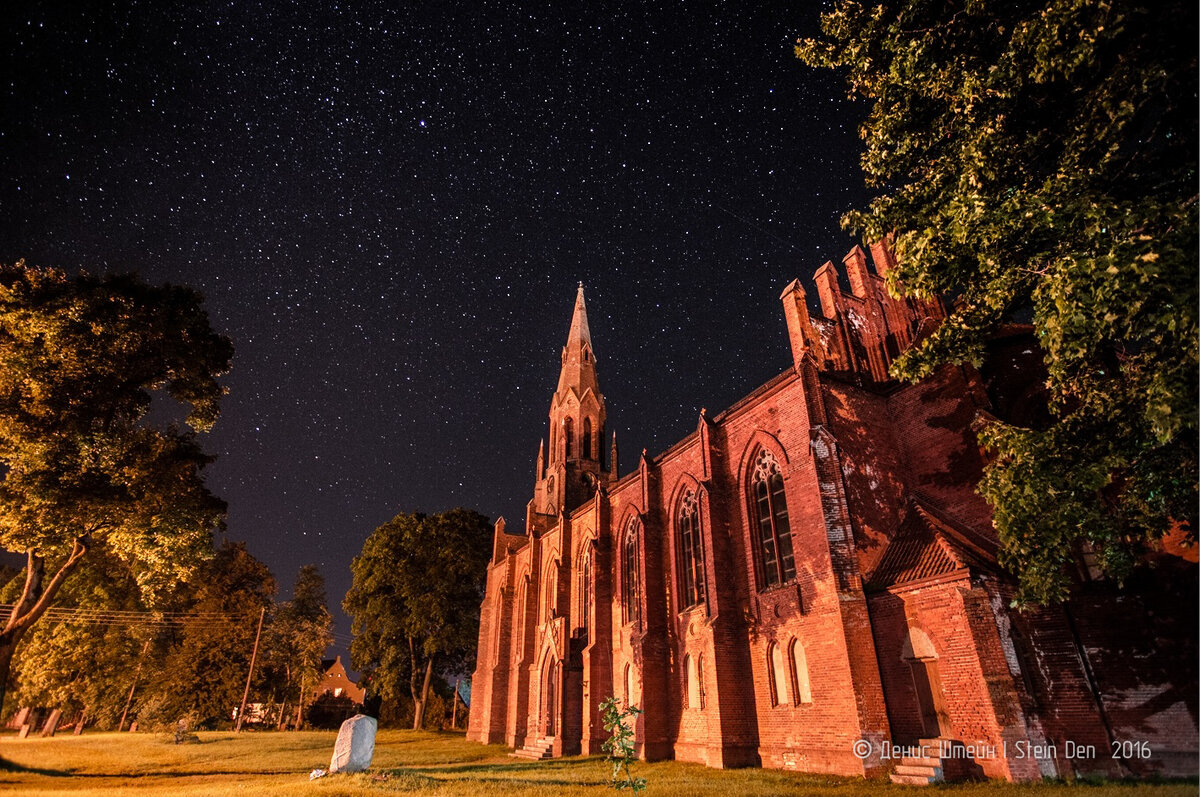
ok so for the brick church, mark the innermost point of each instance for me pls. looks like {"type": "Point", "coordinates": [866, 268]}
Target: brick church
{"type": "Point", "coordinates": [809, 581]}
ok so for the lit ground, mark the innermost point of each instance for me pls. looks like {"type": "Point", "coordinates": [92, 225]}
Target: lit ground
{"type": "Point", "coordinates": [437, 764]}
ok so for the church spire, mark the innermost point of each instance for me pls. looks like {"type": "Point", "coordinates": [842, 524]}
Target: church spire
{"type": "Point", "coordinates": [578, 360]}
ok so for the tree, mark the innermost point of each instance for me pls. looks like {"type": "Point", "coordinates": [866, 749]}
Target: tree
{"type": "Point", "coordinates": [83, 663]}
{"type": "Point", "coordinates": [299, 634]}
{"type": "Point", "coordinates": [414, 601]}
{"type": "Point", "coordinates": [81, 361]}
{"type": "Point", "coordinates": [1037, 161]}
{"type": "Point", "coordinates": [205, 665]}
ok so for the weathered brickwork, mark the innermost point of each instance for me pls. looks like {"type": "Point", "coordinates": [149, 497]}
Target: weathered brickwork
{"type": "Point", "coordinates": [809, 569]}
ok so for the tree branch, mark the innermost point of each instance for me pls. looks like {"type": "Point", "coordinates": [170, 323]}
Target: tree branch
{"type": "Point", "coordinates": [19, 623]}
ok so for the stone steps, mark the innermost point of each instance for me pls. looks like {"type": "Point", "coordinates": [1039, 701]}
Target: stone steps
{"type": "Point", "coordinates": [537, 750]}
{"type": "Point", "coordinates": [922, 770]}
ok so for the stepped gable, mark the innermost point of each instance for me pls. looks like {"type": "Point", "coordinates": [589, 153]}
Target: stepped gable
{"type": "Point", "coordinates": [860, 333]}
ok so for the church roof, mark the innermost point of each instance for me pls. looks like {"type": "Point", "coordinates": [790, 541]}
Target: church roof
{"type": "Point", "coordinates": [928, 545]}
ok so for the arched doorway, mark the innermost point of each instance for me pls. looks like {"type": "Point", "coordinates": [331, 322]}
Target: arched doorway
{"type": "Point", "coordinates": [549, 707]}
{"type": "Point", "coordinates": [922, 660]}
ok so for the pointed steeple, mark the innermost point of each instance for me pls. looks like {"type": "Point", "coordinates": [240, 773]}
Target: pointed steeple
{"type": "Point", "coordinates": [578, 359]}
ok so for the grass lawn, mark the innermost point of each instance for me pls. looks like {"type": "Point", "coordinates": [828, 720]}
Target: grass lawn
{"type": "Point", "coordinates": [408, 761]}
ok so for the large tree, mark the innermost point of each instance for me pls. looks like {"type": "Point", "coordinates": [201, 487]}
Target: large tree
{"type": "Point", "coordinates": [82, 359]}
{"type": "Point", "coordinates": [415, 601]}
{"type": "Point", "coordinates": [1037, 162]}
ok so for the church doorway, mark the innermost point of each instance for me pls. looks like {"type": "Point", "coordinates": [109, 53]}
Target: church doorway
{"type": "Point", "coordinates": [922, 661]}
{"type": "Point", "coordinates": [549, 708]}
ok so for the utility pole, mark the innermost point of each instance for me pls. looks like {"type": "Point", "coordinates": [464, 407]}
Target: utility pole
{"type": "Point", "coordinates": [249, 675]}
{"type": "Point", "coordinates": [133, 686]}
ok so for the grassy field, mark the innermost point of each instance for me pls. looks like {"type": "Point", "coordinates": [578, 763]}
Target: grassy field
{"type": "Point", "coordinates": [255, 764]}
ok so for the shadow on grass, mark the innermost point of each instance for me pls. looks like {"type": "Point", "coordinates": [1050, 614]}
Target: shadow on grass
{"type": "Point", "coordinates": [10, 766]}
{"type": "Point", "coordinates": [502, 773]}
{"type": "Point", "coordinates": [530, 766]}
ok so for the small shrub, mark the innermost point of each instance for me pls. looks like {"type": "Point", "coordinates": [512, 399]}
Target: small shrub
{"type": "Point", "coordinates": [619, 746]}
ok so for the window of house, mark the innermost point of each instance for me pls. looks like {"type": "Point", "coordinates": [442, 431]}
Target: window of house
{"type": "Point", "coordinates": [630, 593]}
{"type": "Point", "coordinates": [803, 690]}
{"type": "Point", "coordinates": [777, 674]}
{"type": "Point", "coordinates": [568, 436]}
{"type": "Point", "coordinates": [691, 552]}
{"type": "Point", "coordinates": [628, 685]}
{"type": "Point", "coordinates": [587, 438]}
{"type": "Point", "coordinates": [774, 530]}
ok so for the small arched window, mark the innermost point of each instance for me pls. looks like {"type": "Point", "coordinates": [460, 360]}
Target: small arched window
{"type": "Point", "coordinates": [628, 684]}
{"type": "Point", "coordinates": [691, 552]}
{"type": "Point", "coordinates": [803, 689]}
{"type": "Point", "coordinates": [777, 674]}
{"type": "Point", "coordinates": [587, 438]}
{"type": "Point", "coordinates": [774, 530]}
{"type": "Point", "coordinates": [692, 671]}
{"type": "Point", "coordinates": [568, 437]}
{"type": "Point", "coordinates": [630, 591]}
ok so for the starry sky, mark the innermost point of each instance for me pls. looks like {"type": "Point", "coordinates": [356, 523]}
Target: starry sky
{"type": "Point", "coordinates": [388, 210]}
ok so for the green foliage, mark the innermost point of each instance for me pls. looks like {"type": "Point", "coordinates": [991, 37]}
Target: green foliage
{"type": "Point", "coordinates": [204, 665]}
{"type": "Point", "coordinates": [1039, 159]}
{"type": "Point", "coordinates": [295, 641]}
{"type": "Point", "coordinates": [619, 746]}
{"type": "Point", "coordinates": [415, 598]}
{"type": "Point", "coordinates": [76, 665]}
{"type": "Point", "coordinates": [81, 360]}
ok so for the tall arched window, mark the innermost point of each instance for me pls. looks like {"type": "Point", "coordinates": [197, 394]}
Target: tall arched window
{"type": "Point", "coordinates": [519, 621]}
{"type": "Point", "coordinates": [553, 442]}
{"type": "Point", "coordinates": [630, 591]}
{"type": "Point", "coordinates": [774, 531]}
{"type": "Point", "coordinates": [585, 592]}
{"type": "Point", "coordinates": [568, 437]}
{"type": "Point", "coordinates": [587, 438]}
{"type": "Point", "coordinates": [691, 552]}
{"type": "Point", "coordinates": [803, 690]}
{"type": "Point", "coordinates": [551, 590]}
{"type": "Point", "coordinates": [628, 684]}
{"type": "Point", "coordinates": [777, 674]}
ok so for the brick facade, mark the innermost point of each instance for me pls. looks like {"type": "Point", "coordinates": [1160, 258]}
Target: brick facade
{"type": "Point", "coordinates": [888, 620]}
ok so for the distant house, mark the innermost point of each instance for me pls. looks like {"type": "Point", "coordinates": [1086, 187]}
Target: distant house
{"type": "Point", "coordinates": [337, 683]}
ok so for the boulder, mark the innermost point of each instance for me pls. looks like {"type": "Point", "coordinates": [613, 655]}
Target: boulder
{"type": "Point", "coordinates": [355, 746]}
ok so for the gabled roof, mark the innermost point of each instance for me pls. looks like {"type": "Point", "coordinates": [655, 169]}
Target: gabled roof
{"type": "Point", "coordinates": [927, 545]}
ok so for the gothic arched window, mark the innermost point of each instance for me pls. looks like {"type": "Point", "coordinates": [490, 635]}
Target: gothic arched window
{"type": "Point", "coordinates": [777, 674]}
{"type": "Point", "coordinates": [587, 438]}
{"type": "Point", "coordinates": [585, 591]}
{"type": "Point", "coordinates": [691, 552]}
{"type": "Point", "coordinates": [568, 437]}
{"type": "Point", "coordinates": [774, 530]}
{"type": "Point", "coordinates": [630, 593]}
{"type": "Point", "coordinates": [803, 689]}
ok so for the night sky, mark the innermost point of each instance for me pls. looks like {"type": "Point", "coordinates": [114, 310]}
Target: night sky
{"type": "Point", "coordinates": [388, 211]}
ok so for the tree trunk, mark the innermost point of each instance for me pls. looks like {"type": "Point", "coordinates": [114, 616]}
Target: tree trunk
{"type": "Point", "coordinates": [7, 648]}
{"type": "Point", "coordinates": [36, 597]}
{"type": "Point", "coordinates": [419, 705]}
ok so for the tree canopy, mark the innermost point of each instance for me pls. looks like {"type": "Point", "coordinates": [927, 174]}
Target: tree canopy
{"type": "Point", "coordinates": [1037, 162]}
{"type": "Point", "coordinates": [82, 360]}
{"type": "Point", "coordinates": [415, 598]}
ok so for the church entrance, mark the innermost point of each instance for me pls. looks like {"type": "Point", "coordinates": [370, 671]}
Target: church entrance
{"type": "Point", "coordinates": [929, 697]}
{"type": "Point", "coordinates": [549, 708]}
{"type": "Point", "coordinates": [922, 660]}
